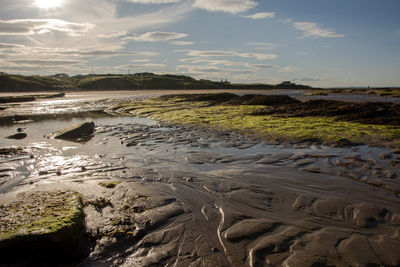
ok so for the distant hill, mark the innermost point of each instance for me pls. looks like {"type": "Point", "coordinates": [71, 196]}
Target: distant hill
{"type": "Point", "coordinates": [62, 82]}
{"type": "Point", "coordinates": [20, 83]}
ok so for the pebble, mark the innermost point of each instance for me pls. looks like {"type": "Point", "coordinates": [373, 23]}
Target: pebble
{"type": "Point", "coordinates": [387, 155]}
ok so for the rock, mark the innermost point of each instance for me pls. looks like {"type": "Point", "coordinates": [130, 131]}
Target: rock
{"type": "Point", "coordinates": [266, 100]}
{"type": "Point", "coordinates": [78, 132]}
{"type": "Point", "coordinates": [11, 151]}
{"type": "Point", "coordinates": [17, 136]}
{"type": "Point", "coordinates": [43, 227]}
{"type": "Point", "coordinates": [386, 155]}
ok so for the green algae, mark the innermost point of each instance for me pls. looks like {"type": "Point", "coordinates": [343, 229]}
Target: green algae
{"type": "Point", "coordinates": [109, 185]}
{"type": "Point", "coordinates": [327, 130]}
{"type": "Point", "coordinates": [41, 213]}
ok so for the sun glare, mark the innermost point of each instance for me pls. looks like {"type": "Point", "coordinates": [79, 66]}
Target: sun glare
{"type": "Point", "coordinates": [46, 4]}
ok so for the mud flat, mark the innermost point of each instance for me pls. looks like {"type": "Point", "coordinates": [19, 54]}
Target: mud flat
{"type": "Point", "coordinates": [184, 195]}
{"type": "Point", "coordinates": [27, 98]}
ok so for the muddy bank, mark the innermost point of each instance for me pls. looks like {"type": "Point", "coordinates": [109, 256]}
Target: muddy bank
{"type": "Point", "coordinates": [368, 113]}
{"type": "Point", "coordinates": [286, 106]}
{"type": "Point", "coordinates": [278, 117]}
{"type": "Point", "coordinates": [183, 195]}
{"type": "Point", "coordinates": [187, 196]}
{"type": "Point", "coordinates": [28, 98]}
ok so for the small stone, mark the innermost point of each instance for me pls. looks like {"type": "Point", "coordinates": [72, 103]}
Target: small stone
{"type": "Point", "coordinates": [390, 175]}
{"type": "Point", "coordinates": [214, 250]}
{"type": "Point", "coordinates": [17, 136]}
{"type": "Point", "coordinates": [387, 155]}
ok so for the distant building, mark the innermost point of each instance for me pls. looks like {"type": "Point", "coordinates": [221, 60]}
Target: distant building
{"type": "Point", "coordinates": [61, 75]}
{"type": "Point", "coordinates": [144, 74]}
{"type": "Point", "coordinates": [288, 83]}
{"type": "Point", "coordinates": [225, 82]}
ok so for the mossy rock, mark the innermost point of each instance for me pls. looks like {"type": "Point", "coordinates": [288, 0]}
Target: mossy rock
{"type": "Point", "coordinates": [43, 227]}
{"type": "Point", "coordinates": [343, 142]}
{"type": "Point", "coordinates": [109, 185]}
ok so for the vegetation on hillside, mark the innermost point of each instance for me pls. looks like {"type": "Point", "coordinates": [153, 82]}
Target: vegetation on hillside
{"type": "Point", "coordinates": [19, 83]}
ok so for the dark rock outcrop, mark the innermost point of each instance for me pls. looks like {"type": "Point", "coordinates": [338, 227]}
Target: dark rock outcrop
{"type": "Point", "coordinates": [78, 132]}
{"type": "Point", "coordinates": [17, 136]}
{"type": "Point", "coordinates": [264, 100]}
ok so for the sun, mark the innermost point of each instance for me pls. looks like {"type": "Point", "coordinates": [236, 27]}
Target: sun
{"type": "Point", "coordinates": [46, 4]}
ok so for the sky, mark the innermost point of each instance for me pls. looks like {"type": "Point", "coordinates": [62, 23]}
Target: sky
{"type": "Point", "coordinates": [322, 43]}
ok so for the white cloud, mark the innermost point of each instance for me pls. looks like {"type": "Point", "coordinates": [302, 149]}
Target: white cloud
{"type": "Point", "coordinates": [264, 45]}
{"type": "Point", "coordinates": [46, 63]}
{"type": "Point", "coordinates": [239, 64]}
{"type": "Point", "coordinates": [16, 51]}
{"type": "Point", "coordinates": [6, 46]}
{"type": "Point", "coordinates": [257, 56]}
{"type": "Point", "coordinates": [219, 53]}
{"type": "Point", "coordinates": [154, 1]}
{"type": "Point", "coordinates": [261, 15]}
{"type": "Point", "coordinates": [309, 79]}
{"type": "Point", "coordinates": [208, 53]}
{"type": "Point", "coordinates": [288, 20]}
{"type": "Point", "coordinates": [212, 61]}
{"type": "Point", "coordinates": [198, 69]}
{"type": "Point", "coordinates": [140, 60]}
{"type": "Point", "coordinates": [138, 66]}
{"type": "Point", "coordinates": [42, 26]}
{"type": "Point", "coordinates": [183, 43]}
{"type": "Point", "coordinates": [113, 35]}
{"type": "Point", "coordinates": [90, 30]}
{"type": "Point", "coordinates": [229, 6]}
{"type": "Point", "coordinates": [313, 30]}
{"type": "Point", "coordinates": [157, 36]}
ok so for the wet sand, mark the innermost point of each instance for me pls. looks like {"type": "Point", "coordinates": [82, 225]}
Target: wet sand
{"type": "Point", "coordinates": [185, 196]}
